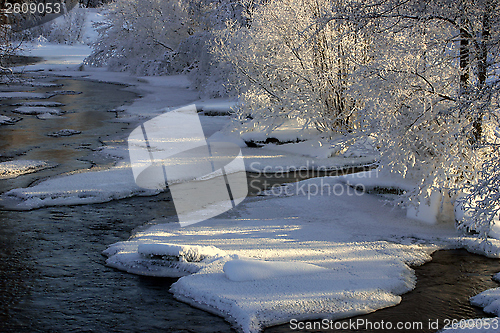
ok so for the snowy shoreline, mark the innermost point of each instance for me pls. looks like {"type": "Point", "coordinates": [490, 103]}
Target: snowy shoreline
{"type": "Point", "coordinates": [355, 241]}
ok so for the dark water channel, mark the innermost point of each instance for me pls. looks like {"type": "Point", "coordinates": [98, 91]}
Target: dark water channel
{"type": "Point", "coordinates": [53, 277]}
{"type": "Point", "coordinates": [84, 107]}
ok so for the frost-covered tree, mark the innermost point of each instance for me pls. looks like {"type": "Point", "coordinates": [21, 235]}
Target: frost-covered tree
{"type": "Point", "coordinates": [142, 36]}
{"type": "Point", "coordinates": [155, 37]}
{"type": "Point", "coordinates": [293, 63]}
{"type": "Point", "coordinates": [428, 90]}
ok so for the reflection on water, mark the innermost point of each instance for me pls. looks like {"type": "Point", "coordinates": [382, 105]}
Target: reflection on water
{"type": "Point", "coordinates": [54, 278]}
{"type": "Point", "coordinates": [85, 112]}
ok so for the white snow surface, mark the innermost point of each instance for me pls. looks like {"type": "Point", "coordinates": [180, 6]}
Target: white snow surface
{"type": "Point", "coordinates": [247, 270]}
{"type": "Point", "coordinates": [295, 255]}
{"type": "Point", "coordinates": [78, 188]}
{"type": "Point", "coordinates": [489, 300]}
{"type": "Point", "coordinates": [4, 120]}
{"type": "Point", "coordinates": [37, 110]}
{"type": "Point", "coordinates": [13, 169]}
{"type": "Point", "coordinates": [374, 179]}
{"type": "Point", "coordinates": [314, 251]}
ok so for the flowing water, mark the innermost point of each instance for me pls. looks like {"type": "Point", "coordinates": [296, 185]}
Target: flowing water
{"type": "Point", "coordinates": [53, 277]}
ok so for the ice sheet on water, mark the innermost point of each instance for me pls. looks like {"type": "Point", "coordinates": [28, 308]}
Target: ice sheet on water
{"type": "Point", "coordinates": [15, 169]}
{"type": "Point", "coordinates": [36, 110]}
{"type": "Point", "coordinates": [45, 116]}
{"type": "Point", "coordinates": [24, 95]}
{"type": "Point", "coordinates": [4, 120]}
{"type": "Point", "coordinates": [64, 132]}
{"type": "Point", "coordinates": [38, 103]}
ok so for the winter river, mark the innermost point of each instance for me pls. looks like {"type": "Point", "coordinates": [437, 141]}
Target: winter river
{"type": "Point", "coordinates": [53, 277]}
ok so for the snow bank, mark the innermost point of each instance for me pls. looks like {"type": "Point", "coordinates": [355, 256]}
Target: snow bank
{"type": "Point", "coordinates": [79, 188]}
{"type": "Point", "coordinates": [15, 169]}
{"type": "Point", "coordinates": [247, 270]}
{"type": "Point", "coordinates": [290, 131]}
{"type": "Point", "coordinates": [179, 252]}
{"type": "Point", "coordinates": [161, 259]}
{"type": "Point", "coordinates": [313, 148]}
{"type": "Point", "coordinates": [489, 300]}
{"type": "Point", "coordinates": [297, 256]}
{"type": "Point", "coordinates": [376, 180]}
{"type": "Point", "coordinates": [437, 209]}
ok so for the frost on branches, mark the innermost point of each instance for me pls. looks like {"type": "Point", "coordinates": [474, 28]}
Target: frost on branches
{"type": "Point", "coordinates": [428, 92]}
{"type": "Point", "coordinates": [156, 37]}
{"type": "Point", "coordinates": [141, 36]}
{"type": "Point", "coordinates": [291, 63]}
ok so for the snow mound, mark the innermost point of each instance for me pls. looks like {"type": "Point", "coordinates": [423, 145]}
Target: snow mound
{"type": "Point", "coordinates": [289, 257]}
{"type": "Point", "coordinates": [489, 300]}
{"type": "Point", "coordinates": [64, 132]}
{"type": "Point", "coordinates": [36, 110]}
{"type": "Point", "coordinates": [15, 169]}
{"type": "Point", "coordinates": [4, 120]}
{"type": "Point", "coordinates": [160, 259]}
{"type": "Point", "coordinates": [248, 270]}
{"type": "Point", "coordinates": [188, 253]}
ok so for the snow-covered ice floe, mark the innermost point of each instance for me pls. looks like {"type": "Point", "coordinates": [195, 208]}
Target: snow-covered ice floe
{"type": "Point", "coordinates": [24, 95]}
{"type": "Point", "coordinates": [37, 110]}
{"type": "Point", "coordinates": [315, 251]}
{"type": "Point", "coordinates": [15, 169]}
{"type": "Point", "coordinates": [4, 120]}
{"type": "Point", "coordinates": [64, 132]}
{"type": "Point", "coordinates": [39, 104]}
{"type": "Point", "coordinates": [489, 300]}
{"type": "Point", "coordinates": [74, 189]}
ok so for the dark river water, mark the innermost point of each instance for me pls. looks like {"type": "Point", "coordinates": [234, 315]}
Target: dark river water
{"type": "Point", "coordinates": [53, 277]}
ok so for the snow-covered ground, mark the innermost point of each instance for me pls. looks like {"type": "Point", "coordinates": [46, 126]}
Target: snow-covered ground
{"type": "Point", "coordinates": [314, 249]}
